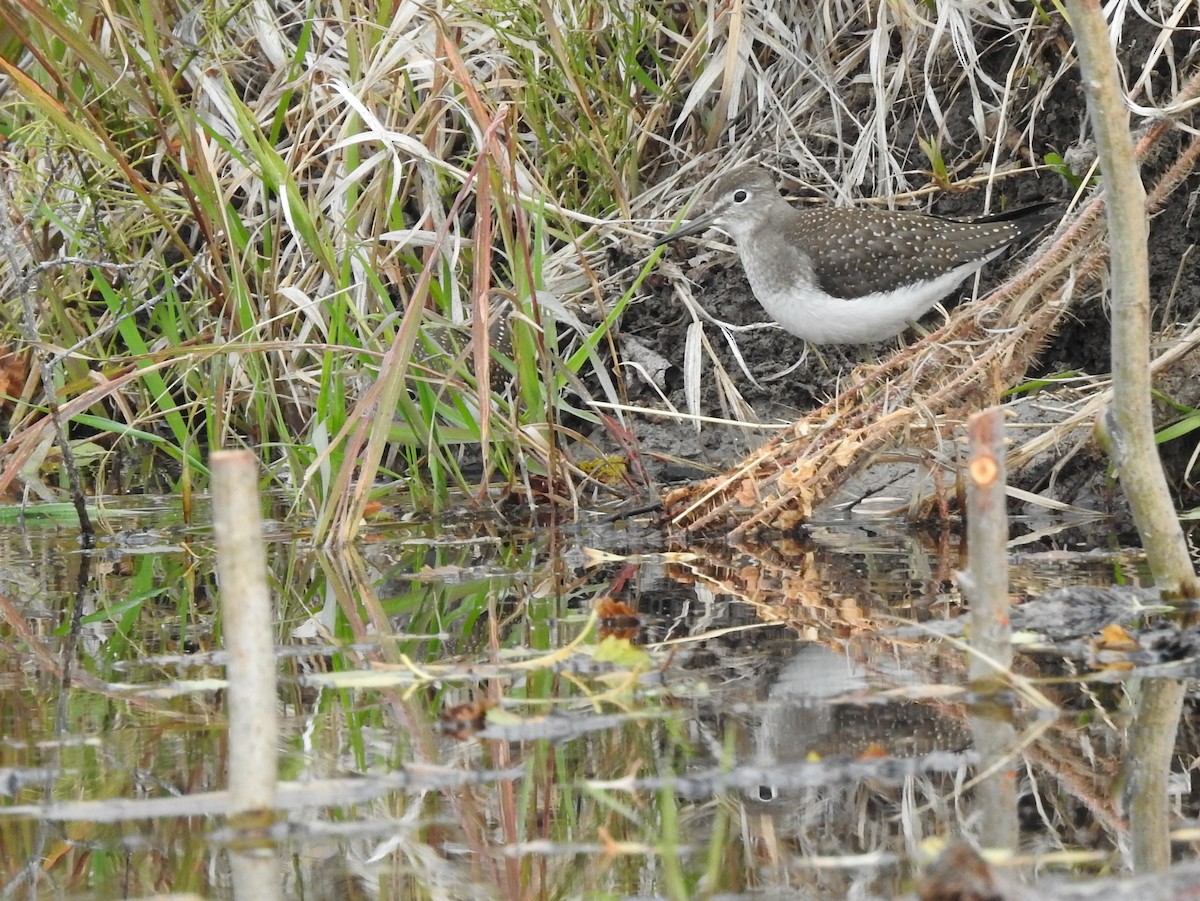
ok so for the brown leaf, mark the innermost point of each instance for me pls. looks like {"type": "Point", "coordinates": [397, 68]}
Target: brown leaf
{"type": "Point", "coordinates": [464, 720]}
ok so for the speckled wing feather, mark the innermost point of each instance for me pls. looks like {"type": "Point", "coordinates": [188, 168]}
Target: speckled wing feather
{"type": "Point", "coordinates": [857, 252]}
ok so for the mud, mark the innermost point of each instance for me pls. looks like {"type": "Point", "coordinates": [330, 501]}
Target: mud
{"type": "Point", "coordinates": [1081, 346]}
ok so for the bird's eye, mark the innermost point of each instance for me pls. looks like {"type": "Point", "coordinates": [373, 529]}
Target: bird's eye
{"type": "Point", "coordinates": [740, 196]}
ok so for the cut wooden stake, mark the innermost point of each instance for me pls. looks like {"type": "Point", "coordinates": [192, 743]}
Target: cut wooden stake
{"type": "Point", "coordinates": [248, 635]}
{"type": "Point", "coordinates": [986, 584]}
{"type": "Point", "coordinates": [986, 587]}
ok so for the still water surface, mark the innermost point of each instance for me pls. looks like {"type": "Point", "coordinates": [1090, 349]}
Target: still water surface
{"type": "Point", "coordinates": [468, 712]}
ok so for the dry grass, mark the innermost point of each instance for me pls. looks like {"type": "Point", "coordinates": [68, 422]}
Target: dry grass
{"type": "Point", "coordinates": [253, 225]}
{"type": "Point", "coordinates": [921, 395]}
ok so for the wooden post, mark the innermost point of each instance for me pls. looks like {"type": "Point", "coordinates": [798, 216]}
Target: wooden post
{"type": "Point", "coordinates": [248, 635]}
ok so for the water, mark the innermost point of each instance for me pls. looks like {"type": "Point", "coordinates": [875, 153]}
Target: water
{"type": "Point", "coordinates": [457, 721]}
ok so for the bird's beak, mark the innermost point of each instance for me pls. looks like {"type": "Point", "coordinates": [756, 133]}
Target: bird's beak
{"type": "Point", "coordinates": [694, 227]}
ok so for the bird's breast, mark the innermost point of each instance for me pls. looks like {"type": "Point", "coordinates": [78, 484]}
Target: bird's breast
{"type": "Point", "coordinates": [811, 313]}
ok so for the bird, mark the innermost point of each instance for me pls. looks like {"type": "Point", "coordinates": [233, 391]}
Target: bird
{"type": "Point", "coordinates": [836, 275]}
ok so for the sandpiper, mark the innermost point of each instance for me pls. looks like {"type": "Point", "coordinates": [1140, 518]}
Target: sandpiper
{"type": "Point", "coordinates": [850, 276]}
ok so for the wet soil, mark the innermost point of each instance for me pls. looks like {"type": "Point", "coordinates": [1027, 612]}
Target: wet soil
{"type": "Point", "coordinates": [1082, 344]}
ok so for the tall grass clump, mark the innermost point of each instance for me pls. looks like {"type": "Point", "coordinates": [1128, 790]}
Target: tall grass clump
{"type": "Point", "coordinates": [263, 226]}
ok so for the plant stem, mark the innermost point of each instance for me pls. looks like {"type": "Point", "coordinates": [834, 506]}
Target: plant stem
{"type": "Point", "coordinates": [1128, 422]}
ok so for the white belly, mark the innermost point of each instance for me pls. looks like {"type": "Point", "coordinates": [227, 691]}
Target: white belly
{"type": "Point", "coordinates": [811, 314]}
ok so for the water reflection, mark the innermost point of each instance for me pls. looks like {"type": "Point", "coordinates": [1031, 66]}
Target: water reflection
{"type": "Point", "coordinates": [825, 703]}
{"type": "Point", "coordinates": [787, 718]}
